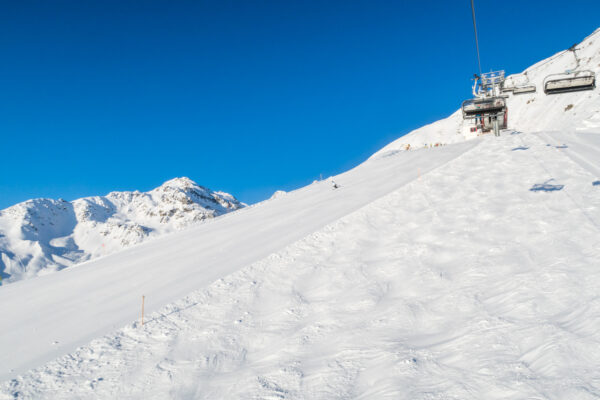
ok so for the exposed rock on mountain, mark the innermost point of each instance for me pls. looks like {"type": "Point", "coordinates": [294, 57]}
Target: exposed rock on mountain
{"type": "Point", "coordinates": [44, 235]}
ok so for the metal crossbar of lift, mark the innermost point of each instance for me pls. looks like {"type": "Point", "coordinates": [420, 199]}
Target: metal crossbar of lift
{"type": "Point", "coordinates": [492, 78]}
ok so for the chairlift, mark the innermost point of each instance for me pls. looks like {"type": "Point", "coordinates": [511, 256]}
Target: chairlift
{"type": "Point", "coordinates": [487, 110]}
{"type": "Point", "coordinates": [478, 107]}
{"type": "Point", "coordinates": [524, 89]}
{"type": "Point", "coordinates": [570, 81]}
{"type": "Point", "coordinates": [488, 114]}
{"type": "Point", "coordinates": [519, 89]}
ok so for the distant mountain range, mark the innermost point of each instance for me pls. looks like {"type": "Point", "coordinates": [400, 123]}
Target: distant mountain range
{"type": "Point", "coordinates": [44, 235]}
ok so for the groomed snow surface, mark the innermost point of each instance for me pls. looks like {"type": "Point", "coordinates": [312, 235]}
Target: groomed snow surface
{"type": "Point", "coordinates": [473, 274]}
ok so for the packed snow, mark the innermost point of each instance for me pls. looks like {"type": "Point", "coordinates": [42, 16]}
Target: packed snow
{"type": "Point", "coordinates": [467, 271]}
{"type": "Point", "coordinates": [43, 235]}
{"type": "Point", "coordinates": [82, 302]}
{"type": "Point", "coordinates": [462, 283]}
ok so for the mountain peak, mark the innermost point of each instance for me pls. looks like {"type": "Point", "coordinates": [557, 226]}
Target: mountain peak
{"type": "Point", "coordinates": [41, 235]}
{"type": "Point", "coordinates": [180, 183]}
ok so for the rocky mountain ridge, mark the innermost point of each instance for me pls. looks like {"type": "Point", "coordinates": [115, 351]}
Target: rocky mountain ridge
{"type": "Point", "coordinates": [44, 235]}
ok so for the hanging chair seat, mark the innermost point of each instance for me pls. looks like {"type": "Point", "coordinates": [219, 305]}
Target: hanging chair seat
{"type": "Point", "coordinates": [473, 108]}
{"type": "Point", "coordinates": [569, 82]}
{"type": "Point", "coordinates": [524, 89]}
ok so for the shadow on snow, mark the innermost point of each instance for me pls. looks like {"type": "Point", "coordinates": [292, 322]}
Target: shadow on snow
{"type": "Point", "coordinates": [546, 187]}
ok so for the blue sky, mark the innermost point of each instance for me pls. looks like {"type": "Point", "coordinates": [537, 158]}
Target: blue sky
{"type": "Point", "coordinates": [245, 97]}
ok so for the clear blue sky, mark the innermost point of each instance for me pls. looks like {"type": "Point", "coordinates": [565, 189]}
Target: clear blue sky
{"type": "Point", "coordinates": [246, 96]}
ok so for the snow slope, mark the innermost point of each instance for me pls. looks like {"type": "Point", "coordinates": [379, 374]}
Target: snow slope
{"type": "Point", "coordinates": [44, 235]}
{"type": "Point", "coordinates": [464, 282]}
{"type": "Point", "coordinates": [530, 112]}
{"type": "Point", "coordinates": [82, 302]}
{"type": "Point", "coordinates": [464, 271]}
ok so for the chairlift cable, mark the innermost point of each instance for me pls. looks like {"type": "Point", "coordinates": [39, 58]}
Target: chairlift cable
{"type": "Point", "coordinates": [476, 40]}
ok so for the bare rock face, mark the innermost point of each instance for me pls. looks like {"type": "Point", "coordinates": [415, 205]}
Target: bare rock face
{"type": "Point", "coordinates": [44, 235]}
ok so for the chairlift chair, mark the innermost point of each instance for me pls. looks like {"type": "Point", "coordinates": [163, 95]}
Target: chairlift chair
{"type": "Point", "coordinates": [473, 108]}
{"type": "Point", "coordinates": [487, 109]}
{"type": "Point", "coordinates": [524, 89]}
{"type": "Point", "coordinates": [570, 81]}
{"type": "Point", "coordinates": [519, 89]}
{"type": "Point", "coordinates": [487, 113]}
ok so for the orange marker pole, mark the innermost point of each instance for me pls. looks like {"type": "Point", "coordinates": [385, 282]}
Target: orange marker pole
{"type": "Point", "coordinates": [143, 297]}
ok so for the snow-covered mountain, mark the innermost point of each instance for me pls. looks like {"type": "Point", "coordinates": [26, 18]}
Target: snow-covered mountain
{"type": "Point", "coordinates": [44, 235]}
{"type": "Point", "coordinates": [463, 271]}
{"type": "Point", "coordinates": [532, 112]}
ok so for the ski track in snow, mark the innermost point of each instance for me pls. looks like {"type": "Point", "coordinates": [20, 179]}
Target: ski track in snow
{"type": "Point", "coordinates": [462, 284]}
{"type": "Point", "coordinates": [583, 148]}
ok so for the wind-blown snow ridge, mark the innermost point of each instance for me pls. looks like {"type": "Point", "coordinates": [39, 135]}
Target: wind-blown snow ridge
{"type": "Point", "coordinates": [44, 235]}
